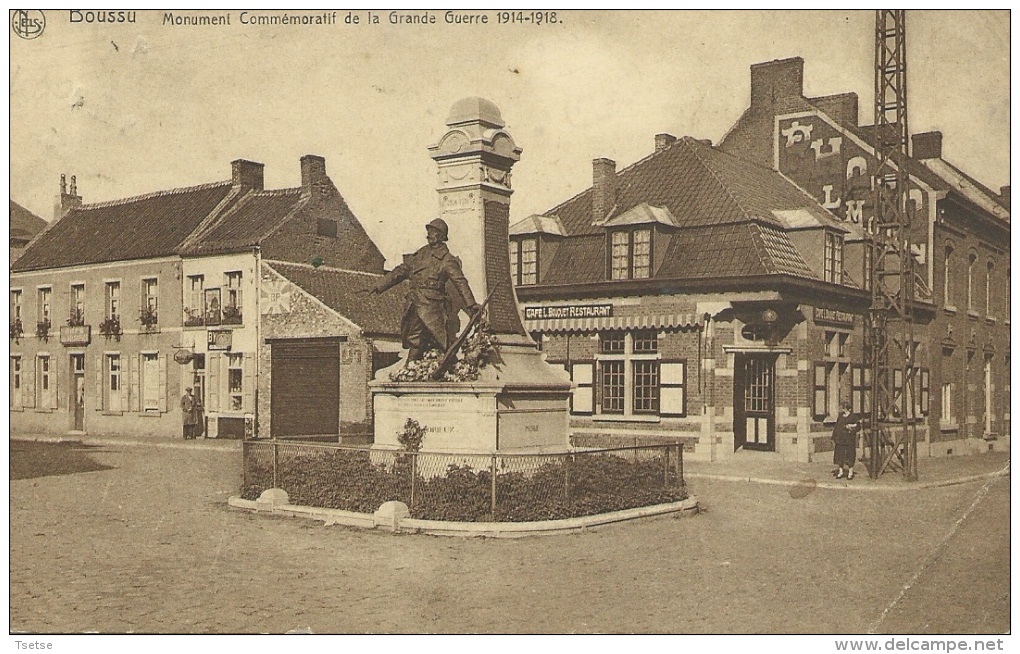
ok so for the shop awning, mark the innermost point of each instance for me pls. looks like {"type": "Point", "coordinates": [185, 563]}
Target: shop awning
{"type": "Point", "coordinates": [643, 321]}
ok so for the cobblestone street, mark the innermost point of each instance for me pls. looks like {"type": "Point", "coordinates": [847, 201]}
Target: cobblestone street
{"type": "Point", "coordinates": [149, 545]}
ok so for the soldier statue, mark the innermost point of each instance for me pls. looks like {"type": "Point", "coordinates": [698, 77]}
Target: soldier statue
{"type": "Point", "coordinates": [438, 290]}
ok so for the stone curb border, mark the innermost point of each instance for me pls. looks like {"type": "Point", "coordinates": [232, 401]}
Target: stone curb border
{"type": "Point", "coordinates": [394, 517]}
{"type": "Point", "coordinates": [863, 486]}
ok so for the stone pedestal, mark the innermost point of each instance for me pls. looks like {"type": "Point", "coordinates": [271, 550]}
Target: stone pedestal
{"type": "Point", "coordinates": [521, 404]}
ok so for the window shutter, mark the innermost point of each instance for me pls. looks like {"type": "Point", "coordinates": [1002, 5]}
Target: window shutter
{"type": "Point", "coordinates": [162, 384]}
{"type": "Point", "coordinates": [213, 381]}
{"type": "Point", "coordinates": [28, 382]}
{"type": "Point", "coordinates": [100, 395]}
{"type": "Point", "coordinates": [54, 365]}
{"type": "Point", "coordinates": [820, 404]}
{"type": "Point", "coordinates": [673, 388]}
{"type": "Point", "coordinates": [583, 399]}
{"type": "Point", "coordinates": [136, 395]}
{"type": "Point", "coordinates": [925, 391]}
{"type": "Point", "coordinates": [248, 382]}
{"type": "Point", "coordinates": [125, 384]}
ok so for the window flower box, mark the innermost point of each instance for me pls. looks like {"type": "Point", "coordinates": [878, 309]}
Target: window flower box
{"type": "Point", "coordinates": [111, 327]}
{"type": "Point", "coordinates": [42, 329]}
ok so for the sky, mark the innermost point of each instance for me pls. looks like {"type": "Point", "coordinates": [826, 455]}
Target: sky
{"type": "Point", "coordinates": [135, 108]}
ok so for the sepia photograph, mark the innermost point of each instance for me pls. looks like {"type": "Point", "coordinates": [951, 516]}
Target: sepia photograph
{"type": "Point", "coordinates": [502, 322]}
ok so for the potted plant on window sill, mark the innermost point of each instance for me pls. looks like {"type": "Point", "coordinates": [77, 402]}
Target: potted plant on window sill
{"type": "Point", "coordinates": [17, 329]}
{"type": "Point", "coordinates": [110, 327]}
{"type": "Point", "coordinates": [76, 319]}
{"type": "Point", "coordinates": [149, 319]}
{"type": "Point", "coordinates": [42, 329]}
{"type": "Point", "coordinates": [231, 316]}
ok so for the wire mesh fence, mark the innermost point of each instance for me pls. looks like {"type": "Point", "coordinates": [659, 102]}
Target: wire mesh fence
{"type": "Point", "coordinates": [468, 487]}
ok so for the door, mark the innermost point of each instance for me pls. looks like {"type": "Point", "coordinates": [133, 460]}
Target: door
{"type": "Point", "coordinates": [77, 395]}
{"type": "Point", "coordinates": [754, 416]}
{"type": "Point", "coordinates": [305, 387]}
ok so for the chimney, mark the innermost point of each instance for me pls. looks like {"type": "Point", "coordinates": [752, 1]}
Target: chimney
{"type": "Point", "coordinates": [663, 141]}
{"type": "Point", "coordinates": [313, 174]}
{"type": "Point", "coordinates": [68, 199]}
{"type": "Point", "coordinates": [927, 145]}
{"type": "Point", "coordinates": [247, 175]}
{"type": "Point", "coordinates": [774, 80]}
{"type": "Point", "coordinates": [1004, 195]}
{"type": "Point", "coordinates": [603, 188]}
{"type": "Point", "coordinates": [843, 108]}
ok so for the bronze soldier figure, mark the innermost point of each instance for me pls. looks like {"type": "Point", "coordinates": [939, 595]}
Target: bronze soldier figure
{"type": "Point", "coordinates": [438, 290]}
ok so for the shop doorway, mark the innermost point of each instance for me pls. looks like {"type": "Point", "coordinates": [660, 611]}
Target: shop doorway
{"type": "Point", "coordinates": [76, 396]}
{"type": "Point", "coordinates": [754, 402]}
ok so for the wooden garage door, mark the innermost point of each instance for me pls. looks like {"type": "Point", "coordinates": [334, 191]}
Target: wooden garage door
{"type": "Point", "coordinates": [305, 387]}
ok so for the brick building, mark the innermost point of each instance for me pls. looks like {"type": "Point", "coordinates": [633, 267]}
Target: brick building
{"type": "Point", "coordinates": [960, 240]}
{"type": "Point", "coordinates": [690, 295]}
{"type": "Point", "coordinates": [125, 303]}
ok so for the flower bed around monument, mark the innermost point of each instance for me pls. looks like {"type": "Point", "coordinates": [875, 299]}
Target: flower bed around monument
{"type": "Point", "coordinates": [462, 487]}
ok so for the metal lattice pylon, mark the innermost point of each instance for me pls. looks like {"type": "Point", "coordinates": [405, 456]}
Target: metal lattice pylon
{"type": "Point", "coordinates": [890, 433]}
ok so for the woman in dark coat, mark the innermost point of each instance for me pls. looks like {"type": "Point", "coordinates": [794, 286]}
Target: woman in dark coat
{"type": "Point", "coordinates": [844, 435]}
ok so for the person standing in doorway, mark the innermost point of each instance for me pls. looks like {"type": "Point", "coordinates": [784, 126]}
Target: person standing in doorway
{"type": "Point", "coordinates": [844, 435]}
{"type": "Point", "coordinates": [188, 411]}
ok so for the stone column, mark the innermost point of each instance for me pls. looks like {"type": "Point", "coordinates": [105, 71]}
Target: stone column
{"type": "Point", "coordinates": [474, 158]}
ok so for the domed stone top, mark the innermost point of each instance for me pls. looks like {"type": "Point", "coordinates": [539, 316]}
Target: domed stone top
{"type": "Point", "coordinates": [469, 110]}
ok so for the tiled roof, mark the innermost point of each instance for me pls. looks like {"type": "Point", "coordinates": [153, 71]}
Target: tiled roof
{"type": "Point", "coordinates": [24, 223]}
{"type": "Point", "coordinates": [345, 292]}
{"type": "Point", "coordinates": [255, 216]}
{"type": "Point", "coordinates": [146, 226]}
{"type": "Point", "coordinates": [729, 213]}
{"type": "Point", "coordinates": [968, 187]}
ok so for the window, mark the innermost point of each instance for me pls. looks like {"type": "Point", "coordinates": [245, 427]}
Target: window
{"type": "Point", "coordinates": [16, 400]}
{"type": "Point", "coordinates": [232, 299]}
{"type": "Point", "coordinates": [195, 308]}
{"type": "Point", "coordinates": [113, 300]}
{"type": "Point", "coordinates": [43, 383]}
{"type": "Point", "coordinates": [76, 310]}
{"type": "Point", "coordinates": [633, 378]}
{"type": "Point", "coordinates": [947, 417]}
{"type": "Point", "coordinates": [212, 306]}
{"type": "Point", "coordinates": [150, 382]}
{"type": "Point", "coordinates": [970, 281]}
{"type": "Point", "coordinates": [150, 301]}
{"type": "Point", "coordinates": [630, 254]}
{"type": "Point", "coordinates": [235, 376]}
{"type": "Point", "coordinates": [612, 387]}
{"type": "Point", "coordinates": [524, 261]}
{"type": "Point", "coordinates": [16, 305]}
{"type": "Point", "coordinates": [860, 398]}
{"type": "Point", "coordinates": [45, 294]}
{"type": "Point", "coordinates": [988, 289]}
{"type": "Point", "coordinates": [947, 278]}
{"type": "Point", "coordinates": [113, 381]}
{"type": "Point", "coordinates": [833, 378]}
{"type": "Point", "coordinates": [612, 342]}
{"type": "Point", "coordinates": [833, 271]}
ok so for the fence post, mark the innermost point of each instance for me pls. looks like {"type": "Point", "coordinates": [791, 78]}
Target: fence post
{"type": "Point", "coordinates": [680, 464]}
{"type": "Point", "coordinates": [665, 466]}
{"type": "Point", "coordinates": [493, 476]}
{"type": "Point", "coordinates": [276, 461]}
{"type": "Point", "coordinates": [414, 475]}
{"type": "Point", "coordinates": [568, 461]}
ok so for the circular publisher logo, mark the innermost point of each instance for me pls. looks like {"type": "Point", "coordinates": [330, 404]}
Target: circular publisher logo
{"type": "Point", "coordinates": [28, 23]}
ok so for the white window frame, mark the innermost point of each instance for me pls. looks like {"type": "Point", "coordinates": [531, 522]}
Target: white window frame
{"type": "Point", "coordinates": [44, 295]}
{"type": "Point", "coordinates": [235, 361]}
{"type": "Point", "coordinates": [143, 382]}
{"type": "Point", "coordinates": [113, 299]}
{"type": "Point", "coordinates": [113, 377]}
{"type": "Point", "coordinates": [44, 381]}
{"type": "Point", "coordinates": [16, 382]}
{"type": "Point", "coordinates": [17, 297]}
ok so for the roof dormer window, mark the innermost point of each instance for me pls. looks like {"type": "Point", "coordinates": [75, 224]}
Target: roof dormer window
{"type": "Point", "coordinates": [833, 270]}
{"type": "Point", "coordinates": [524, 261]}
{"type": "Point", "coordinates": [630, 253]}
